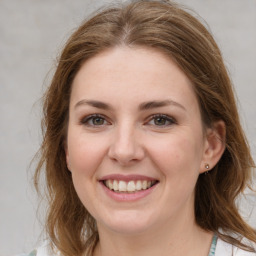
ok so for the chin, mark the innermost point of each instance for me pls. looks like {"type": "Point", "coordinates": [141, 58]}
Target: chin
{"type": "Point", "coordinates": [128, 222]}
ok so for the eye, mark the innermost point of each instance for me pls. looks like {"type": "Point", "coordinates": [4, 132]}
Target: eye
{"type": "Point", "coordinates": [161, 120]}
{"type": "Point", "coordinates": [94, 120]}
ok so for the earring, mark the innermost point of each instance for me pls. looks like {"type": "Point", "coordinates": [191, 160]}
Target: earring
{"type": "Point", "coordinates": [207, 167]}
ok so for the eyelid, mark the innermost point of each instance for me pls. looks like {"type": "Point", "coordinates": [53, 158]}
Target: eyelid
{"type": "Point", "coordinates": [84, 120]}
{"type": "Point", "coordinates": [167, 117]}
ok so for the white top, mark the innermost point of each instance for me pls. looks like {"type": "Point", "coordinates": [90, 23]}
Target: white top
{"type": "Point", "coordinates": [222, 249]}
{"type": "Point", "coordinates": [226, 249]}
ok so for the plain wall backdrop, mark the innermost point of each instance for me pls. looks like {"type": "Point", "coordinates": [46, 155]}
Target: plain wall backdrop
{"type": "Point", "coordinates": [32, 33]}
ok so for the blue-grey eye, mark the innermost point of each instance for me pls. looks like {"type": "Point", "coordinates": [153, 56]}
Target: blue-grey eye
{"type": "Point", "coordinates": [97, 120]}
{"type": "Point", "coordinates": [94, 120]}
{"type": "Point", "coordinates": [161, 120]}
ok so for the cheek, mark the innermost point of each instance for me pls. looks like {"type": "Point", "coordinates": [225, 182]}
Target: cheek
{"type": "Point", "coordinates": [176, 155]}
{"type": "Point", "coordinates": [177, 160]}
{"type": "Point", "coordinates": [85, 153]}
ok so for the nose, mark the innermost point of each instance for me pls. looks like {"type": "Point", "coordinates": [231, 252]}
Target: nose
{"type": "Point", "coordinates": [126, 147]}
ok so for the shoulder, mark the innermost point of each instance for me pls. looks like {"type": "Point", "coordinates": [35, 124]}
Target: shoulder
{"type": "Point", "coordinates": [225, 249]}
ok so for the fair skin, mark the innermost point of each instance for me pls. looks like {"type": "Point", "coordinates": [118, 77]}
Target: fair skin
{"type": "Point", "coordinates": [134, 121]}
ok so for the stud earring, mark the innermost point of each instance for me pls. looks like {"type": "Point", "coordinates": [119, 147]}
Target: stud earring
{"type": "Point", "coordinates": [207, 167]}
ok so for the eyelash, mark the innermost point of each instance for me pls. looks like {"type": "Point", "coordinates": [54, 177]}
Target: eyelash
{"type": "Point", "coordinates": [86, 120]}
{"type": "Point", "coordinates": [166, 118]}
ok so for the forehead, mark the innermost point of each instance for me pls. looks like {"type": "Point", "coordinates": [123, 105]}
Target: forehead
{"type": "Point", "coordinates": [132, 73]}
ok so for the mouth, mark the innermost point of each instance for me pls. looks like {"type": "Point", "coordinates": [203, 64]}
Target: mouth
{"type": "Point", "coordinates": [131, 186]}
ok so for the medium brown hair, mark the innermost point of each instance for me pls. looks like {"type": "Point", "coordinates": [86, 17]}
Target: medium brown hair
{"type": "Point", "coordinates": [165, 26]}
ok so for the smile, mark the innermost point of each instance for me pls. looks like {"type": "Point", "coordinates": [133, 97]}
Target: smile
{"type": "Point", "coordinates": [129, 186]}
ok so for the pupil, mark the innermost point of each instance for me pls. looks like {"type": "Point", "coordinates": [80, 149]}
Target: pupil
{"type": "Point", "coordinates": [98, 121]}
{"type": "Point", "coordinates": [160, 121]}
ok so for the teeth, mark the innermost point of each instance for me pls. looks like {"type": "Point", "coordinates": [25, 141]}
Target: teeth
{"type": "Point", "coordinates": [144, 184]}
{"type": "Point", "coordinates": [122, 186]}
{"type": "Point", "coordinates": [131, 186]}
{"type": "Point", "coordinates": [110, 184]}
{"type": "Point", "coordinates": [115, 185]}
{"type": "Point", "coordinates": [138, 185]}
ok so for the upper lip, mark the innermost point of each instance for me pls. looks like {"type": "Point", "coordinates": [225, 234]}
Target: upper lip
{"type": "Point", "coordinates": [122, 177]}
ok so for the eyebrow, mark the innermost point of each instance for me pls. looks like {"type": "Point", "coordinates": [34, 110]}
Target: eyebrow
{"type": "Point", "coordinates": [159, 104]}
{"type": "Point", "coordinates": [94, 103]}
{"type": "Point", "coordinates": [143, 106]}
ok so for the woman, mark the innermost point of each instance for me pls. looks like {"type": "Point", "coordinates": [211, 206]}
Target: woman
{"type": "Point", "coordinates": [143, 149]}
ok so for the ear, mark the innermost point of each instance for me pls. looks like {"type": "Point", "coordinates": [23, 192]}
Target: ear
{"type": "Point", "coordinates": [214, 145]}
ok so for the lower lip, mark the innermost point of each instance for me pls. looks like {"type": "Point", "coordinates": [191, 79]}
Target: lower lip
{"type": "Point", "coordinates": [128, 197]}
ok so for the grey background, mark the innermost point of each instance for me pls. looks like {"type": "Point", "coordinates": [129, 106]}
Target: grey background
{"type": "Point", "coordinates": [32, 33]}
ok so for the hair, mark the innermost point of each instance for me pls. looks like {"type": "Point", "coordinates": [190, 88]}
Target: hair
{"type": "Point", "coordinates": [166, 27]}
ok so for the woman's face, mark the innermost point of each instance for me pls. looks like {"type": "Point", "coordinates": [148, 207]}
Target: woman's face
{"type": "Point", "coordinates": [135, 143]}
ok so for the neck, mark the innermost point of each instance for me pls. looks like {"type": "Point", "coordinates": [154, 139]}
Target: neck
{"type": "Point", "coordinates": [172, 240]}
